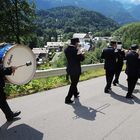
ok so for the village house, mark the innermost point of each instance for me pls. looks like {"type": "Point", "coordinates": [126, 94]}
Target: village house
{"type": "Point", "coordinates": [85, 39]}
{"type": "Point", "coordinates": [57, 46]}
{"type": "Point", "coordinates": [41, 54]}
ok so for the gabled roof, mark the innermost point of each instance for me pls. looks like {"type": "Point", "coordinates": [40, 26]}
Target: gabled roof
{"type": "Point", "coordinates": [55, 43]}
{"type": "Point", "coordinates": [80, 35]}
{"type": "Point", "coordinates": [39, 50]}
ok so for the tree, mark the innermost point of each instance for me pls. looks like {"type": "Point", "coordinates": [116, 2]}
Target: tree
{"type": "Point", "coordinates": [16, 20]}
{"type": "Point", "coordinates": [129, 33]}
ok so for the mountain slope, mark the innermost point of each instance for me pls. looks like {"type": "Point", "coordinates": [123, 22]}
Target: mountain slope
{"type": "Point", "coordinates": [73, 19]}
{"type": "Point", "coordinates": [135, 11]}
{"type": "Point", "coordinates": [109, 8]}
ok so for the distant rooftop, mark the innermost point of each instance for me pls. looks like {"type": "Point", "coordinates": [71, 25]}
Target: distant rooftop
{"type": "Point", "coordinates": [55, 43]}
{"type": "Point", "coordinates": [39, 50]}
{"type": "Point", "coordinates": [80, 35]}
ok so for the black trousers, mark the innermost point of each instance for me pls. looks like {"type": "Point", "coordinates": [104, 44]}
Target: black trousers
{"type": "Point", "coordinates": [132, 80]}
{"type": "Point", "coordinates": [117, 73]}
{"type": "Point", "coordinates": [73, 87]}
{"type": "Point", "coordinates": [3, 104]}
{"type": "Point", "coordinates": [109, 78]}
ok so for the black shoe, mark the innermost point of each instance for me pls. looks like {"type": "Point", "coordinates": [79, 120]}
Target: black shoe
{"type": "Point", "coordinates": [68, 101]}
{"type": "Point", "coordinates": [13, 115]}
{"type": "Point", "coordinates": [76, 95]}
{"type": "Point", "coordinates": [110, 88]}
{"type": "Point", "coordinates": [106, 91]}
{"type": "Point", "coordinates": [114, 83]}
{"type": "Point", "coordinates": [129, 97]}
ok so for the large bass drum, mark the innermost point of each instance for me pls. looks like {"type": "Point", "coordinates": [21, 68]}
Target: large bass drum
{"type": "Point", "coordinates": [22, 57]}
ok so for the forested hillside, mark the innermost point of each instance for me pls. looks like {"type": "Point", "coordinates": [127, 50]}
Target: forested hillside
{"type": "Point", "coordinates": [72, 19]}
{"type": "Point", "coordinates": [135, 11]}
{"type": "Point", "coordinates": [129, 33]}
{"type": "Point", "coordinates": [110, 8]}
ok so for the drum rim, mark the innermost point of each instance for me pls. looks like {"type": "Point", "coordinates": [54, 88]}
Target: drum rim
{"type": "Point", "coordinates": [6, 52]}
{"type": "Point", "coordinates": [31, 76]}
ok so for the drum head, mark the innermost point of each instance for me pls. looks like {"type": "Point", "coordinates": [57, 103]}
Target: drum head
{"type": "Point", "coordinates": [16, 56]}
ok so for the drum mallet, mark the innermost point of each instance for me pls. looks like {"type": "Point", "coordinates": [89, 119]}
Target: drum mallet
{"type": "Point", "coordinates": [27, 64]}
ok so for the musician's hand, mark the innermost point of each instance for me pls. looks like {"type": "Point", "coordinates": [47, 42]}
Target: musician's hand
{"type": "Point", "coordinates": [81, 51]}
{"type": "Point", "coordinates": [13, 69]}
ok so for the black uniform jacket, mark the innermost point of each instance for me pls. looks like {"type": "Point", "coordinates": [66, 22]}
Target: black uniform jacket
{"type": "Point", "coordinates": [132, 63]}
{"type": "Point", "coordinates": [120, 57]}
{"type": "Point", "coordinates": [73, 60]}
{"type": "Point", "coordinates": [3, 72]}
{"type": "Point", "coordinates": [110, 58]}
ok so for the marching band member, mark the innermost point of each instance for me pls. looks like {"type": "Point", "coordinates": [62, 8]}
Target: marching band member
{"type": "Point", "coordinates": [109, 55]}
{"type": "Point", "coordinates": [120, 56]}
{"type": "Point", "coordinates": [74, 56]}
{"type": "Point", "coordinates": [10, 115]}
{"type": "Point", "coordinates": [132, 69]}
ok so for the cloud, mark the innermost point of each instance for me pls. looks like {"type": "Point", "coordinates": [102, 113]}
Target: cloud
{"type": "Point", "coordinates": [129, 1]}
{"type": "Point", "coordinates": [135, 1]}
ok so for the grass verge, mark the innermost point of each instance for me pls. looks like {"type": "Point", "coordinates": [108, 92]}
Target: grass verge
{"type": "Point", "coordinates": [38, 85]}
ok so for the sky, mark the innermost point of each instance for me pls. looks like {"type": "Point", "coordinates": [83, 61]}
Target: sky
{"type": "Point", "coordinates": [135, 0]}
{"type": "Point", "coordinates": [130, 1]}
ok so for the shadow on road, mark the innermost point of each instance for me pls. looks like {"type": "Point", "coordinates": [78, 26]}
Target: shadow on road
{"type": "Point", "coordinates": [85, 112]}
{"type": "Point", "coordinates": [123, 87]}
{"type": "Point", "coordinates": [126, 88]}
{"type": "Point", "coordinates": [138, 83]}
{"type": "Point", "coordinates": [121, 98]}
{"type": "Point", "coordinates": [19, 132]}
{"type": "Point", "coordinates": [136, 91]}
{"type": "Point", "coordinates": [136, 99]}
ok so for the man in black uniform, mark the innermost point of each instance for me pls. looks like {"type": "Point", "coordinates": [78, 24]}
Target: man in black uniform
{"type": "Point", "coordinates": [110, 63]}
{"type": "Point", "coordinates": [132, 68]}
{"type": "Point", "coordinates": [120, 54]}
{"type": "Point", "coordinates": [3, 103]}
{"type": "Point", "coordinates": [74, 57]}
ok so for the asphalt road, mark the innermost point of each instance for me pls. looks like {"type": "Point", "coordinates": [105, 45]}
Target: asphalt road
{"type": "Point", "coordinates": [94, 116]}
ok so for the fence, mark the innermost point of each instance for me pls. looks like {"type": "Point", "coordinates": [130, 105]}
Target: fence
{"type": "Point", "coordinates": [62, 71]}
